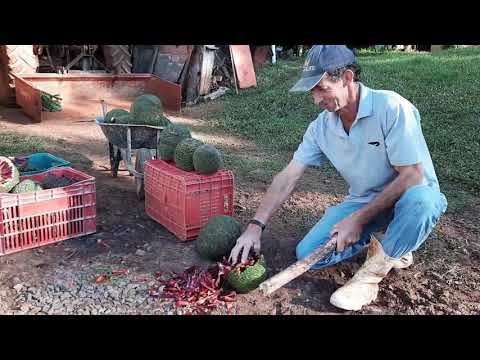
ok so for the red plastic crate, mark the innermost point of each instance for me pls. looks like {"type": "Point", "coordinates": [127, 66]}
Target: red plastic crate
{"type": "Point", "coordinates": [184, 201]}
{"type": "Point", "coordinates": [35, 219]}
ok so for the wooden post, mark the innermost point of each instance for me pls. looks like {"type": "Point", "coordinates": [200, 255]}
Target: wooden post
{"type": "Point", "coordinates": [208, 60]}
{"type": "Point", "coordinates": [128, 151]}
{"type": "Point", "coordinates": [233, 69]}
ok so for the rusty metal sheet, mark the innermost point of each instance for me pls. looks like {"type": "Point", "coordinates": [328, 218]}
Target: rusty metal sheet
{"type": "Point", "coordinates": [87, 88]}
{"type": "Point", "coordinates": [261, 55]}
{"type": "Point", "coordinates": [170, 62]}
{"type": "Point", "coordinates": [143, 57]}
{"type": "Point", "coordinates": [79, 92]}
{"type": "Point", "coordinates": [28, 97]}
{"type": "Point", "coordinates": [180, 50]}
{"type": "Point", "coordinates": [165, 61]}
{"type": "Point", "coordinates": [243, 62]}
{"type": "Point", "coordinates": [169, 92]}
{"type": "Point", "coordinates": [168, 67]}
{"type": "Point", "coordinates": [84, 76]}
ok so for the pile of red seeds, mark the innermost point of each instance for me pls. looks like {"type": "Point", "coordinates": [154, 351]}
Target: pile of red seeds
{"type": "Point", "coordinates": [199, 291]}
{"type": "Point", "coordinates": [241, 267]}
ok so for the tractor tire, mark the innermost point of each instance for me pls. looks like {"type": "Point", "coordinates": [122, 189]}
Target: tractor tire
{"type": "Point", "coordinates": [21, 60]}
{"type": "Point", "coordinates": [118, 58]}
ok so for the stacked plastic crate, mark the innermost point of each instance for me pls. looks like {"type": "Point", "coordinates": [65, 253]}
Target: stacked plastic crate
{"type": "Point", "coordinates": [34, 219]}
{"type": "Point", "coordinates": [184, 201]}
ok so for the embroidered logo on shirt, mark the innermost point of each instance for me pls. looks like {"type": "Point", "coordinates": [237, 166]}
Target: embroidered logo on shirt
{"type": "Point", "coordinates": [374, 143]}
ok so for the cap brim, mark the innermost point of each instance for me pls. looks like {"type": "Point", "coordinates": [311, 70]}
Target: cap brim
{"type": "Point", "coordinates": [307, 84]}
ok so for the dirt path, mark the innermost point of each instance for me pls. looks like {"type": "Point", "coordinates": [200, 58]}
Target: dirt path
{"type": "Point", "coordinates": [443, 279]}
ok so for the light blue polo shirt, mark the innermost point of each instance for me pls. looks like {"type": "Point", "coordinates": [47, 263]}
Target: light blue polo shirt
{"type": "Point", "coordinates": [386, 132]}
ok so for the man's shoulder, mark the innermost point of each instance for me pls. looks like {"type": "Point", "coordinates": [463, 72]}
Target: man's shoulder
{"type": "Point", "coordinates": [389, 100]}
{"type": "Point", "coordinates": [319, 125]}
{"type": "Point", "coordinates": [321, 119]}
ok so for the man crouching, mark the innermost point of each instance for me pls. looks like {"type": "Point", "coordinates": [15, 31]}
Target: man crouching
{"type": "Point", "coordinates": [375, 141]}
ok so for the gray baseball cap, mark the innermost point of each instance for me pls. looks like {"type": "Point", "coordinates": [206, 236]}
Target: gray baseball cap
{"type": "Point", "coordinates": [320, 60]}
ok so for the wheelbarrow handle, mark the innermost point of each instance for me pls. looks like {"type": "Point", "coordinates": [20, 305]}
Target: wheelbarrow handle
{"type": "Point", "coordinates": [104, 107]}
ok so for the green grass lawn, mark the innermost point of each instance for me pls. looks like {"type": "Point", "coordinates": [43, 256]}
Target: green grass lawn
{"type": "Point", "coordinates": [445, 88]}
{"type": "Point", "coordinates": [15, 145]}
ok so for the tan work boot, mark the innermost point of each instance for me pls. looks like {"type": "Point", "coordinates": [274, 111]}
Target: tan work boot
{"type": "Point", "coordinates": [362, 288]}
{"type": "Point", "coordinates": [402, 263]}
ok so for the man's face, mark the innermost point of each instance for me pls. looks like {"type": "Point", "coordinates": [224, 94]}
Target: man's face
{"type": "Point", "coordinates": [330, 95]}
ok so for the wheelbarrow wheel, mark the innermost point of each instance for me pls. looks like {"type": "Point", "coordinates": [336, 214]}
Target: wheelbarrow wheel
{"type": "Point", "coordinates": [142, 156]}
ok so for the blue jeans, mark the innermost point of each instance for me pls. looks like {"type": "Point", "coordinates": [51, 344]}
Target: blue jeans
{"type": "Point", "coordinates": [409, 223]}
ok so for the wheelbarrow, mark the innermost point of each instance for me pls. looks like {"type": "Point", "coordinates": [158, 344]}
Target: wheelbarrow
{"type": "Point", "coordinates": [123, 140]}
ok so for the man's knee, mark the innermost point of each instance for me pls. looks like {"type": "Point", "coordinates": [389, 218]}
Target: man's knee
{"type": "Point", "coordinates": [422, 200]}
{"type": "Point", "coordinates": [416, 214]}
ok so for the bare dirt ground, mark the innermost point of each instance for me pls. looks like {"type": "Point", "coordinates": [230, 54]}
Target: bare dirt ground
{"type": "Point", "coordinates": [443, 280]}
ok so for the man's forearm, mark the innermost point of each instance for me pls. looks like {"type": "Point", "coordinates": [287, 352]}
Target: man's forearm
{"type": "Point", "coordinates": [388, 197]}
{"type": "Point", "coordinates": [277, 193]}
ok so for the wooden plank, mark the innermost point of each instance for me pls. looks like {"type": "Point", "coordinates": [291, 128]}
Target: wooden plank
{"type": "Point", "coordinates": [183, 76]}
{"type": "Point", "coordinates": [28, 98]}
{"type": "Point", "coordinates": [233, 70]}
{"type": "Point", "coordinates": [244, 69]}
{"type": "Point", "coordinates": [7, 96]}
{"type": "Point", "coordinates": [208, 59]}
{"type": "Point", "coordinates": [192, 81]}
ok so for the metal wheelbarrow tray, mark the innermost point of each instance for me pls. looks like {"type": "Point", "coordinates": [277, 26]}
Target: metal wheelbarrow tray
{"type": "Point", "coordinates": [141, 136]}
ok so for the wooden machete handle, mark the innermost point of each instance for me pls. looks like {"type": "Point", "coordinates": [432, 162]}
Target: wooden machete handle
{"type": "Point", "coordinates": [295, 270]}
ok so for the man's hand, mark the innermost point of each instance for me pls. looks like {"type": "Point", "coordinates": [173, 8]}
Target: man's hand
{"type": "Point", "coordinates": [280, 189]}
{"type": "Point", "coordinates": [348, 232]}
{"type": "Point", "coordinates": [249, 239]}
